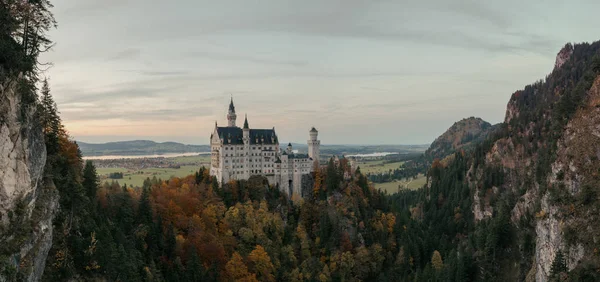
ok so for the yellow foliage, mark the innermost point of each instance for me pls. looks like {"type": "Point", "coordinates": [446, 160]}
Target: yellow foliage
{"type": "Point", "coordinates": [540, 214]}
{"type": "Point", "coordinates": [436, 260]}
{"type": "Point", "coordinates": [261, 263]}
{"type": "Point", "coordinates": [237, 270]}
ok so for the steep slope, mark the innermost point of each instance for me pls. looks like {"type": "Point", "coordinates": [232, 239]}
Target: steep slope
{"type": "Point", "coordinates": [27, 207]}
{"type": "Point", "coordinates": [546, 155]}
{"type": "Point", "coordinates": [461, 135]}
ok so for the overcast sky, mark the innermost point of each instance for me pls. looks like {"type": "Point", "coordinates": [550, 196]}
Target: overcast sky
{"type": "Point", "coordinates": [362, 72]}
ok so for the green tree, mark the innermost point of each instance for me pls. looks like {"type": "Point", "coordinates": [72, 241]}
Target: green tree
{"type": "Point", "coordinates": [90, 180]}
{"type": "Point", "coordinates": [558, 265]}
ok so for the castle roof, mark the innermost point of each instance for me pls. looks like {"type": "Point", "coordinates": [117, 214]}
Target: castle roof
{"type": "Point", "coordinates": [246, 122]}
{"type": "Point", "coordinates": [298, 156]}
{"type": "Point", "coordinates": [234, 135]}
{"type": "Point", "coordinates": [313, 129]}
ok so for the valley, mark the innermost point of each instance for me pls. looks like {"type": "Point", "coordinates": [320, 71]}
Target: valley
{"type": "Point", "coordinates": [513, 198]}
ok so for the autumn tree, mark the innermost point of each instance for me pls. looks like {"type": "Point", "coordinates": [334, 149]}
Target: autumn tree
{"type": "Point", "coordinates": [318, 186]}
{"type": "Point", "coordinates": [436, 260]}
{"type": "Point", "coordinates": [236, 269]}
{"type": "Point", "coordinates": [261, 264]}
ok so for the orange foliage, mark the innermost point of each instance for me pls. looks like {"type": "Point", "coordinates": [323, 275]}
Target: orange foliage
{"type": "Point", "coordinates": [197, 216]}
{"type": "Point", "coordinates": [236, 269]}
{"type": "Point", "coordinates": [261, 263]}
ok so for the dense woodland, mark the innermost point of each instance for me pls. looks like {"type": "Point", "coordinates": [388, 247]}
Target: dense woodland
{"type": "Point", "coordinates": [192, 229]}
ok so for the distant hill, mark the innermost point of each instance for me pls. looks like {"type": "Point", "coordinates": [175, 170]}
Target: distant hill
{"type": "Point", "coordinates": [138, 147]}
{"type": "Point", "coordinates": [461, 135]}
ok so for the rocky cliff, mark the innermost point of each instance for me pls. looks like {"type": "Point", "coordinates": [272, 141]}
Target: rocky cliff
{"type": "Point", "coordinates": [27, 205]}
{"type": "Point", "coordinates": [547, 155]}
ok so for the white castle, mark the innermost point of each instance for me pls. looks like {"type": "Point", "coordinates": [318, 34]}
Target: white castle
{"type": "Point", "coordinates": [238, 153]}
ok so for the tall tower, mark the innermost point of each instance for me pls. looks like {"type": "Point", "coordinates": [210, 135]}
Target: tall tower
{"type": "Point", "coordinates": [313, 145]}
{"type": "Point", "coordinates": [246, 138]}
{"type": "Point", "coordinates": [246, 130]}
{"type": "Point", "coordinates": [231, 116]}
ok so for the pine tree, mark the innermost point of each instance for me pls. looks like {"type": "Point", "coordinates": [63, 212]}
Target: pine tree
{"type": "Point", "coordinates": [558, 265]}
{"type": "Point", "coordinates": [51, 122]}
{"type": "Point", "coordinates": [90, 180]}
{"type": "Point", "coordinates": [144, 208]}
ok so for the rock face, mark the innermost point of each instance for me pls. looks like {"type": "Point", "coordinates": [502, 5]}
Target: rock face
{"type": "Point", "coordinates": [547, 164]}
{"type": "Point", "coordinates": [563, 55]}
{"type": "Point", "coordinates": [576, 164]}
{"type": "Point", "coordinates": [24, 201]}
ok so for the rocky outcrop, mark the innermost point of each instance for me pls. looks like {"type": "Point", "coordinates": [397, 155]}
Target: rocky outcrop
{"type": "Point", "coordinates": [563, 55]}
{"type": "Point", "coordinates": [547, 164]}
{"type": "Point", "coordinates": [27, 207]}
{"type": "Point", "coordinates": [576, 164]}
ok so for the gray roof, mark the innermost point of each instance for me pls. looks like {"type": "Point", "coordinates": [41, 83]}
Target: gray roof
{"type": "Point", "coordinates": [257, 136]}
{"type": "Point", "coordinates": [298, 156]}
{"type": "Point", "coordinates": [313, 129]}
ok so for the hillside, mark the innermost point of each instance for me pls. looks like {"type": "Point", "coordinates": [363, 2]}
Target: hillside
{"type": "Point", "coordinates": [522, 205]}
{"type": "Point", "coordinates": [462, 134]}
{"type": "Point", "coordinates": [138, 147]}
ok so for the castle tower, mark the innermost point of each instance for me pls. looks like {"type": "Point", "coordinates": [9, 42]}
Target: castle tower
{"type": "Point", "coordinates": [246, 130]}
{"type": "Point", "coordinates": [231, 116]}
{"type": "Point", "coordinates": [289, 149]}
{"type": "Point", "coordinates": [313, 145]}
{"type": "Point", "coordinates": [246, 140]}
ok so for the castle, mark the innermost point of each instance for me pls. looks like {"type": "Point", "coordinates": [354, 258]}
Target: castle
{"type": "Point", "coordinates": [238, 153]}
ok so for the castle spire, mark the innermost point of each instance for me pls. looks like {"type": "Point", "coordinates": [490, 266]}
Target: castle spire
{"type": "Point", "coordinates": [231, 106]}
{"type": "Point", "coordinates": [246, 122]}
{"type": "Point", "coordinates": [231, 116]}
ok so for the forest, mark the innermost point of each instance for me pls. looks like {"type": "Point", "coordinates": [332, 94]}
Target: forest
{"type": "Point", "coordinates": [193, 229]}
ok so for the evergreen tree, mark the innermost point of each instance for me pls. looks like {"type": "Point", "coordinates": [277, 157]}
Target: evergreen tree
{"type": "Point", "coordinates": [558, 265]}
{"type": "Point", "coordinates": [90, 180]}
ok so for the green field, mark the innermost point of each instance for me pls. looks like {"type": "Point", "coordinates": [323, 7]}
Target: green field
{"type": "Point", "coordinates": [377, 166]}
{"type": "Point", "coordinates": [392, 187]}
{"type": "Point", "coordinates": [200, 159]}
{"type": "Point", "coordinates": [136, 178]}
{"type": "Point", "coordinates": [189, 165]}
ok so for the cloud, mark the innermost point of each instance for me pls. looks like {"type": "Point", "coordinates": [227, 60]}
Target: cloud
{"type": "Point", "coordinates": [250, 59]}
{"type": "Point", "coordinates": [127, 54]}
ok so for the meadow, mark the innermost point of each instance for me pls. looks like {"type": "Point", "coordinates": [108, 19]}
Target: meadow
{"type": "Point", "coordinates": [377, 166]}
{"type": "Point", "coordinates": [190, 164]}
{"type": "Point", "coordinates": [412, 184]}
{"type": "Point", "coordinates": [135, 177]}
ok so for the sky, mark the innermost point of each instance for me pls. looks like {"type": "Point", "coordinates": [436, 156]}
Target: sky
{"type": "Point", "coordinates": [361, 72]}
